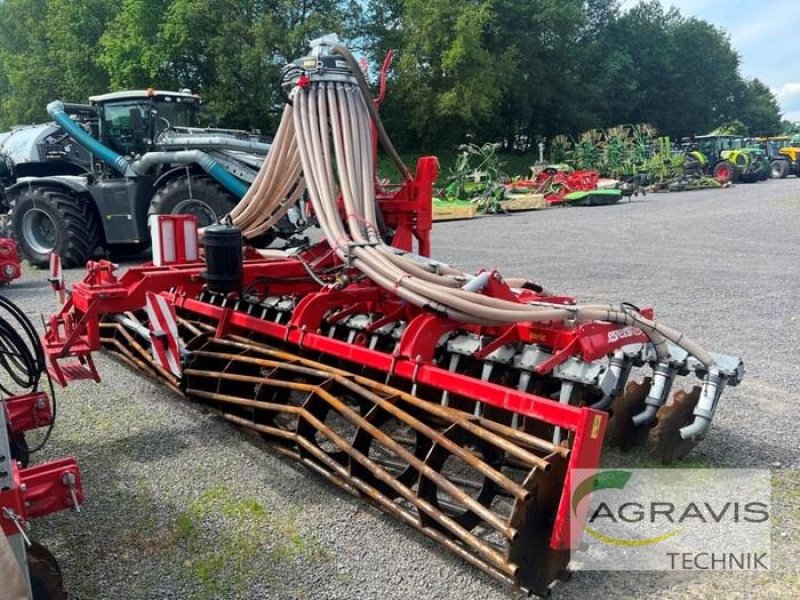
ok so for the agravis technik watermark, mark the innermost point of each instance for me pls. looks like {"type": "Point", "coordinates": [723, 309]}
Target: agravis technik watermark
{"type": "Point", "coordinates": [671, 519]}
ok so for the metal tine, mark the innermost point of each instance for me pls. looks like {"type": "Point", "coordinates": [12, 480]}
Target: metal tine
{"type": "Point", "coordinates": [484, 550]}
{"type": "Point", "coordinates": [486, 373]}
{"type": "Point", "coordinates": [497, 476]}
{"type": "Point", "coordinates": [476, 485]}
{"type": "Point", "coordinates": [522, 386]}
{"type": "Point", "coordinates": [504, 430]}
{"type": "Point", "coordinates": [452, 447]}
{"type": "Point", "coordinates": [454, 360]}
{"type": "Point", "coordinates": [243, 343]}
{"type": "Point", "coordinates": [142, 352]}
{"type": "Point", "coordinates": [564, 397]}
{"type": "Point", "coordinates": [464, 419]}
{"type": "Point", "coordinates": [189, 325]}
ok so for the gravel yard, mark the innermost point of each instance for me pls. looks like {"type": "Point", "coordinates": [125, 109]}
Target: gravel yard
{"type": "Point", "coordinates": [182, 505]}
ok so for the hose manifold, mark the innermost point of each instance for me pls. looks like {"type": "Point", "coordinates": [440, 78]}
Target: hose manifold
{"type": "Point", "coordinates": [713, 384]}
{"type": "Point", "coordinates": [613, 380]}
{"type": "Point", "coordinates": [321, 64]}
{"type": "Point", "coordinates": [659, 392]}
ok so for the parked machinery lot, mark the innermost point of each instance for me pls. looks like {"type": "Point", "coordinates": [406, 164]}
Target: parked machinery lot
{"type": "Point", "coordinates": [192, 491]}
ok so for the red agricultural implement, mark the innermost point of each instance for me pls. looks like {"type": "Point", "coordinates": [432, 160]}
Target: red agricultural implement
{"type": "Point", "coordinates": [461, 404]}
{"type": "Point", "coordinates": [554, 185]}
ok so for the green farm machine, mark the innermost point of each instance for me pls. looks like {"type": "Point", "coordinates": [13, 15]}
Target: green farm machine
{"type": "Point", "coordinates": [729, 158]}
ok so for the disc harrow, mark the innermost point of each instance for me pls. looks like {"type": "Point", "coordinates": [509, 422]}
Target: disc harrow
{"type": "Point", "coordinates": [461, 404]}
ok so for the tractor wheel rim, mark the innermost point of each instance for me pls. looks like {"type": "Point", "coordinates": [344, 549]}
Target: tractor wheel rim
{"type": "Point", "coordinates": [192, 206]}
{"type": "Point", "coordinates": [39, 231]}
{"type": "Point", "coordinates": [723, 173]}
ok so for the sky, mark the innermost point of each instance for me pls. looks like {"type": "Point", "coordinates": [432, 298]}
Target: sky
{"type": "Point", "coordinates": [764, 32]}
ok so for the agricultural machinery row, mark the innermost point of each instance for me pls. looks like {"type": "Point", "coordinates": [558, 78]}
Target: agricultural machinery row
{"type": "Point", "coordinates": [634, 153]}
{"type": "Point", "coordinates": [602, 166]}
{"type": "Point", "coordinates": [461, 404]}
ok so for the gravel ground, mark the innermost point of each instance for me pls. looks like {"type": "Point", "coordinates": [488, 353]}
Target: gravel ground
{"type": "Point", "coordinates": [181, 505]}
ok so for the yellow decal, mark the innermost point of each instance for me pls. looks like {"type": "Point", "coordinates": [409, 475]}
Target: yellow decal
{"type": "Point", "coordinates": [596, 427]}
{"type": "Point", "coordinates": [630, 543]}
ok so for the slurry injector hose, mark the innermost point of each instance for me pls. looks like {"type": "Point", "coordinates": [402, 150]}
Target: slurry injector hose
{"type": "Point", "coordinates": [324, 145]}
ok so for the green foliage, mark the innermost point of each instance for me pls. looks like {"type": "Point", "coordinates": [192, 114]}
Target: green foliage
{"type": "Point", "coordinates": [507, 71]}
{"type": "Point", "coordinates": [790, 127]}
{"type": "Point", "coordinates": [229, 51]}
{"type": "Point", "coordinates": [759, 110]}
{"type": "Point", "coordinates": [47, 51]}
{"type": "Point", "coordinates": [735, 127]}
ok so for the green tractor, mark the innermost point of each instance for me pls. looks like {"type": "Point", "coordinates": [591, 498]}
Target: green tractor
{"type": "Point", "coordinates": [728, 158]}
{"type": "Point", "coordinates": [672, 168]}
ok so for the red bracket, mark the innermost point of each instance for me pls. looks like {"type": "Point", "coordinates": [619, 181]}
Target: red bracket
{"type": "Point", "coordinates": [39, 491]}
{"type": "Point", "coordinates": [28, 411]}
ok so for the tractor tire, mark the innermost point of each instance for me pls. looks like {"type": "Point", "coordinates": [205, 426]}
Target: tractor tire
{"type": "Point", "coordinates": [50, 220]}
{"type": "Point", "coordinates": [748, 177]}
{"type": "Point", "coordinates": [726, 172]}
{"type": "Point", "coordinates": [200, 196]}
{"type": "Point", "coordinates": [779, 169]}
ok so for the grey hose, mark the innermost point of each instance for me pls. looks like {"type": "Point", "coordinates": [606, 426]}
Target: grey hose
{"type": "Point", "coordinates": [330, 124]}
{"type": "Point", "coordinates": [386, 142]}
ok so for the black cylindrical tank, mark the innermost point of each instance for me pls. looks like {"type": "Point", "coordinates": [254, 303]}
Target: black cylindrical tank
{"type": "Point", "coordinates": [223, 244]}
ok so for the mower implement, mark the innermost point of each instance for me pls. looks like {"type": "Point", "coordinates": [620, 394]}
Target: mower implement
{"type": "Point", "coordinates": [461, 404]}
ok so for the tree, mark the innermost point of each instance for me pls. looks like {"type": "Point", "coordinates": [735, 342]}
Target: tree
{"type": "Point", "coordinates": [44, 55]}
{"type": "Point", "coordinates": [790, 127]}
{"type": "Point", "coordinates": [448, 80]}
{"type": "Point", "coordinates": [477, 70]}
{"type": "Point", "coordinates": [130, 48]}
{"type": "Point", "coordinates": [538, 43]}
{"type": "Point", "coordinates": [759, 110]}
{"type": "Point", "coordinates": [706, 79]}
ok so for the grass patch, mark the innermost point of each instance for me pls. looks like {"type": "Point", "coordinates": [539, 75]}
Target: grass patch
{"type": "Point", "coordinates": [223, 542]}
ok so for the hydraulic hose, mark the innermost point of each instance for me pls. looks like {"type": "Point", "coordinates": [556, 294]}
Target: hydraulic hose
{"type": "Point", "coordinates": [21, 353]}
{"type": "Point", "coordinates": [22, 358]}
{"type": "Point", "coordinates": [170, 140]}
{"type": "Point", "coordinates": [190, 157]}
{"type": "Point", "coordinates": [386, 142]}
